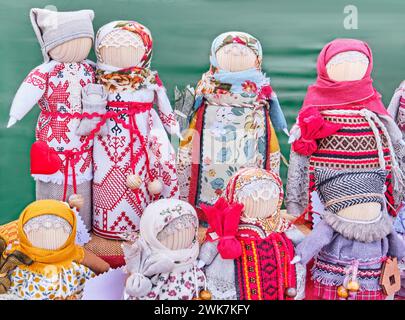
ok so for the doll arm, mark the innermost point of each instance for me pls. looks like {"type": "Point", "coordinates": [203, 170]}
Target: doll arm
{"type": "Point", "coordinates": [94, 263]}
{"type": "Point", "coordinates": [166, 113]}
{"type": "Point", "coordinates": [29, 93]}
{"type": "Point", "coordinates": [276, 114]}
{"type": "Point", "coordinates": [320, 236]}
{"type": "Point", "coordinates": [297, 184]}
{"type": "Point", "coordinates": [396, 246]}
{"type": "Point", "coordinates": [208, 252]}
{"type": "Point", "coordinates": [394, 103]}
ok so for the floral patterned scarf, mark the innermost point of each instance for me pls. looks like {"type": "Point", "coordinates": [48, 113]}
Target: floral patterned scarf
{"type": "Point", "coordinates": [134, 78]}
{"type": "Point", "coordinates": [247, 83]}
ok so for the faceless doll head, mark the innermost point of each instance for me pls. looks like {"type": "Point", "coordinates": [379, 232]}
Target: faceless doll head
{"type": "Point", "coordinates": [64, 36]}
{"type": "Point", "coordinates": [124, 44]}
{"type": "Point", "coordinates": [356, 196]}
{"type": "Point", "coordinates": [259, 190]}
{"type": "Point", "coordinates": [236, 51]}
{"type": "Point", "coordinates": [170, 223]}
{"type": "Point", "coordinates": [48, 225]}
{"type": "Point", "coordinates": [347, 66]}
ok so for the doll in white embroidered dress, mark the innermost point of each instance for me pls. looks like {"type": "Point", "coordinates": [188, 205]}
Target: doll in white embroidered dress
{"type": "Point", "coordinates": [134, 163]}
{"type": "Point", "coordinates": [56, 85]}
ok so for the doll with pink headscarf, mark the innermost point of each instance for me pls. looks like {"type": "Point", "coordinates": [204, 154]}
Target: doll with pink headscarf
{"type": "Point", "coordinates": [342, 124]}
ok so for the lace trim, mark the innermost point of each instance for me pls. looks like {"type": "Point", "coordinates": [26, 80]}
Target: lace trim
{"type": "Point", "coordinates": [348, 56]}
{"type": "Point", "coordinates": [260, 189]}
{"type": "Point", "coordinates": [221, 290]}
{"type": "Point", "coordinates": [176, 225]}
{"type": "Point", "coordinates": [121, 38]}
{"type": "Point", "coordinates": [47, 221]}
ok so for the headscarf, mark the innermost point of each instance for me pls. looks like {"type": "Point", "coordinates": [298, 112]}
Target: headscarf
{"type": "Point", "coordinates": [147, 256]}
{"type": "Point", "coordinates": [248, 176]}
{"type": "Point", "coordinates": [328, 93]}
{"type": "Point", "coordinates": [251, 83]}
{"type": "Point", "coordinates": [135, 77]}
{"type": "Point", "coordinates": [45, 261]}
{"type": "Point", "coordinates": [158, 215]}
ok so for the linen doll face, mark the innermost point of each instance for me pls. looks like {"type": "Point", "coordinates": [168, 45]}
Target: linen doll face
{"type": "Point", "coordinates": [179, 233]}
{"type": "Point", "coordinates": [75, 50]}
{"type": "Point", "coordinates": [361, 212]}
{"type": "Point", "coordinates": [122, 49]}
{"type": "Point", "coordinates": [48, 232]}
{"type": "Point", "coordinates": [347, 66]}
{"type": "Point", "coordinates": [235, 57]}
{"type": "Point", "coordinates": [260, 200]}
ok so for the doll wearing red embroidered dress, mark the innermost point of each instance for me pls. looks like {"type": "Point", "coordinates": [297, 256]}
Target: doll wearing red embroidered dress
{"type": "Point", "coordinates": [247, 257]}
{"type": "Point", "coordinates": [343, 124]}
{"type": "Point", "coordinates": [134, 163]}
{"type": "Point", "coordinates": [61, 163]}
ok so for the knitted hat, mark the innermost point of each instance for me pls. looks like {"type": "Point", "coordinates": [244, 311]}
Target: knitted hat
{"type": "Point", "coordinates": [55, 28]}
{"type": "Point", "coordinates": [340, 189]}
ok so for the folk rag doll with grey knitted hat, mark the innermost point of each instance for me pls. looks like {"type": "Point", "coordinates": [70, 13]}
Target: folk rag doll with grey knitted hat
{"type": "Point", "coordinates": [343, 124]}
{"type": "Point", "coordinates": [355, 242]}
{"type": "Point", "coordinates": [61, 157]}
{"type": "Point", "coordinates": [247, 252]}
{"type": "Point", "coordinates": [232, 122]}
{"type": "Point", "coordinates": [161, 261]}
{"type": "Point", "coordinates": [135, 161]}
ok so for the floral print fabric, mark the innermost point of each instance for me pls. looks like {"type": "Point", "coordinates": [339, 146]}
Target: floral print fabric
{"type": "Point", "coordinates": [68, 284]}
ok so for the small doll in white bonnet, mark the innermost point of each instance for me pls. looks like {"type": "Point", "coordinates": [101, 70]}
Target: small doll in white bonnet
{"type": "Point", "coordinates": [247, 253]}
{"type": "Point", "coordinates": [61, 158]}
{"type": "Point", "coordinates": [161, 262]}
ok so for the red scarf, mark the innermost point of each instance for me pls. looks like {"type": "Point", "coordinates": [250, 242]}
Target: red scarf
{"type": "Point", "coordinates": [326, 93]}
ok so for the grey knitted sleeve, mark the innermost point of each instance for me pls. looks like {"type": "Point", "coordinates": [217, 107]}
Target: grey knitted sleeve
{"type": "Point", "coordinates": [296, 199]}
{"type": "Point", "coordinates": [208, 252]}
{"type": "Point", "coordinates": [396, 246]}
{"type": "Point", "coordinates": [320, 236]}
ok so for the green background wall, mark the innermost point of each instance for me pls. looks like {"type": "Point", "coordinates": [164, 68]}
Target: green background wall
{"type": "Point", "coordinates": [292, 33]}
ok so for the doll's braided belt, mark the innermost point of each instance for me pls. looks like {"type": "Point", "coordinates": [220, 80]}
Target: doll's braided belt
{"type": "Point", "coordinates": [120, 108]}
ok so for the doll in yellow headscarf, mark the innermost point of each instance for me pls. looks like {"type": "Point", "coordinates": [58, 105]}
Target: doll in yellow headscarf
{"type": "Point", "coordinates": [60, 267]}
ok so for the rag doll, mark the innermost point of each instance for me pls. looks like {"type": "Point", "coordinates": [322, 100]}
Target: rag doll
{"type": "Point", "coordinates": [161, 261]}
{"type": "Point", "coordinates": [52, 266]}
{"type": "Point", "coordinates": [247, 252]}
{"type": "Point", "coordinates": [134, 163]}
{"type": "Point", "coordinates": [61, 159]}
{"type": "Point", "coordinates": [355, 245]}
{"type": "Point", "coordinates": [342, 124]}
{"type": "Point", "coordinates": [396, 107]}
{"type": "Point", "coordinates": [233, 121]}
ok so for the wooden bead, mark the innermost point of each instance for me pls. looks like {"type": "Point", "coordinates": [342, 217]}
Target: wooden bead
{"type": "Point", "coordinates": [76, 201]}
{"type": "Point", "coordinates": [291, 292]}
{"type": "Point", "coordinates": [133, 181]}
{"type": "Point", "coordinates": [353, 286]}
{"type": "Point", "coordinates": [155, 187]}
{"type": "Point", "coordinates": [205, 295]}
{"type": "Point", "coordinates": [342, 292]}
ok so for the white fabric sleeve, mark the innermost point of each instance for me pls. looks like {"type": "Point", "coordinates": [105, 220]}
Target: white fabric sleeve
{"type": "Point", "coordinates": [166, 113]}
{"type": "Point", "coordinates": [30, 91]}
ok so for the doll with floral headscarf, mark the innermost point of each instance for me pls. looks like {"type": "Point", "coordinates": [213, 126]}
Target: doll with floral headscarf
{"type": "Point", "coordinates": [161, 262]}
{"type": "Point", "coordinates": [352, 246]}
{"type": "Point", "coordinates": [55, 267]}
{"type": "Point", "coordinates": [134, 163]}
{"type": "Point", "coordinates": [247, 253]}
{"type": "Point", "coordinates": [233, 121]}
{"type": "Point", "coordinates": [342, 124]}
{"type": "Point", "coordinates": [61, 157]}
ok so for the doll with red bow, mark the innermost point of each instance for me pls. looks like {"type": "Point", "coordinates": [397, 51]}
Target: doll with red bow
{"type": "Point", "coordinates": [342, 124]}
{"type": "Point", "coordinates": [247, 252]}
